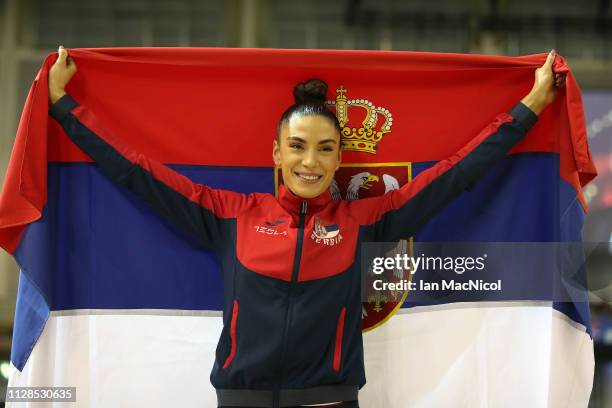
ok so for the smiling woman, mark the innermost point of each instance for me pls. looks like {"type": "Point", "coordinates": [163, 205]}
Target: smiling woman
{"type": "Point", "coordinates": [291, 264]}
{"type": "Point", "coordinates": [307, 146]}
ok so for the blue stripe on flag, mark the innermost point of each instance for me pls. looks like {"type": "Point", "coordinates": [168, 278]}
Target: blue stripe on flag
{"type": "Point", "coordinates": [31, 314]}
{"type": "Point", "coordinates": [111, 251]}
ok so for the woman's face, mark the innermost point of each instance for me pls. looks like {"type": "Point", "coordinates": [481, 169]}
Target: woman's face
{"type": "Point", "coordinates": [308, 152]}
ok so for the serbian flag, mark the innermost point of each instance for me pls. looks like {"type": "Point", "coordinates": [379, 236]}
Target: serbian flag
{"type": "Point", "coordinates": [121, 305]}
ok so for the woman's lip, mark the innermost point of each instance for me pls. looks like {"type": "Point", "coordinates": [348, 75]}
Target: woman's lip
{"type": "Point", "coordinates": [308, 181]}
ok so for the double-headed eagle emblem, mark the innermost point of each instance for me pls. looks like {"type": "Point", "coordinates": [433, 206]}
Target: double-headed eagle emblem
{"type": "Point", "coordinates": [360, 181]}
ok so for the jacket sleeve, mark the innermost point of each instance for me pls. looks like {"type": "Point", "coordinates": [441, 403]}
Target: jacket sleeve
{"type": "Point", "coordinates": [194, 208]}
{"type": "Point", "coordinates": [400, 213]}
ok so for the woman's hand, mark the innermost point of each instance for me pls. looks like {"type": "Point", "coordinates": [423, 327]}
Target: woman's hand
{"type": "Point", "coordinates": [59, 75]}
{"type": "Point", "coordinates": [545, 86]}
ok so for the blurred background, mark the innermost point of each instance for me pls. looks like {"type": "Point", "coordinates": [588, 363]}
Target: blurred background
{"type": "Point", "coordinates": [581, 30]}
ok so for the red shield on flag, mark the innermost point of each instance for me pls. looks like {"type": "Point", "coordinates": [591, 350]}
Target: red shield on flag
{"type": "Point", "coordinates": [355, 181]}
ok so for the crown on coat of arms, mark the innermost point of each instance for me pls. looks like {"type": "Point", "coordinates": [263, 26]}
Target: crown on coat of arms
{"type": "Point", "coordinates": [365, 138]}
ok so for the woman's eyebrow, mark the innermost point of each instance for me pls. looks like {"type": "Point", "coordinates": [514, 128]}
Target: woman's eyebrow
{"type": "Point", "coordinates": [324, 141]}
{"type": "Point", "coordinates": [297, 139]}
{"type": "Point", "coordinates": [328, 141]}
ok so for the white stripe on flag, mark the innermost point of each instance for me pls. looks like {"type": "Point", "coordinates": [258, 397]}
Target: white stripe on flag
{"type": "Point", "coordinates": [463, 355]}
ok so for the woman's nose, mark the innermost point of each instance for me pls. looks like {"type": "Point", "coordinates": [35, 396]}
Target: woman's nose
{"type": "Point", "coordinates": [310, 159]}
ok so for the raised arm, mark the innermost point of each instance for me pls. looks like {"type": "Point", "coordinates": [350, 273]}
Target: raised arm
{"type": "Point", "coordinates": [194, 208]}
{"type": "Point", "coordinates": [400, 213]}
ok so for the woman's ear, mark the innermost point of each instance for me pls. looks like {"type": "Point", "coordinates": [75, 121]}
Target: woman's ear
{"type": "Point", "coordinates": [276, 153]}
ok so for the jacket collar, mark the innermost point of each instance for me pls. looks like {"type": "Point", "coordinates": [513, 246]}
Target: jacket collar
{"type": "Point", "coordinates": [292, 203]}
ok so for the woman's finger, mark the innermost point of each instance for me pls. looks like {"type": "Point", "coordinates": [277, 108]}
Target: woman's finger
{"type": "Point", "coordinates": [62, 55]}
{"type": "Point", "coordinates": [550, 59]}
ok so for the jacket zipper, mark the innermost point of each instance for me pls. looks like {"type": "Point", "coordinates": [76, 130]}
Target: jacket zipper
{"type": "Point", "coordinates": [300, 242]}
{"type": "Point", "coordinates": [294, 276]}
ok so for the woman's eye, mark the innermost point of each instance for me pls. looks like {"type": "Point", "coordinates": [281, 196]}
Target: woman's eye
{"type": "Point", "coordinates": [328, 149]}
{"type": "Point", "coordinates": [295, 146]}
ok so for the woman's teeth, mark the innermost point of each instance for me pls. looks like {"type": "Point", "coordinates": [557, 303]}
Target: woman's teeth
{"type": "Point", "coordinates": [308, 178]}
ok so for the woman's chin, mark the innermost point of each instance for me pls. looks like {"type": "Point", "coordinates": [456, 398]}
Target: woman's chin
{"type": "Point", "coordinates": [306, 191]}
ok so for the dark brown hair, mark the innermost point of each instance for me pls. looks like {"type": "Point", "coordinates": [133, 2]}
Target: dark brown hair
{"type": "Point", "coordinates": [309, 100]}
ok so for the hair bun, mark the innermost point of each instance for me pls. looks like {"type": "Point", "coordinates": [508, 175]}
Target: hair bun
{"type": "Point", "coordinates": [311, 91]}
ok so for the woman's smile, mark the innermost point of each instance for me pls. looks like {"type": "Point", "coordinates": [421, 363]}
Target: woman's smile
{"type": "Point", "coordinates": [308, 178]}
